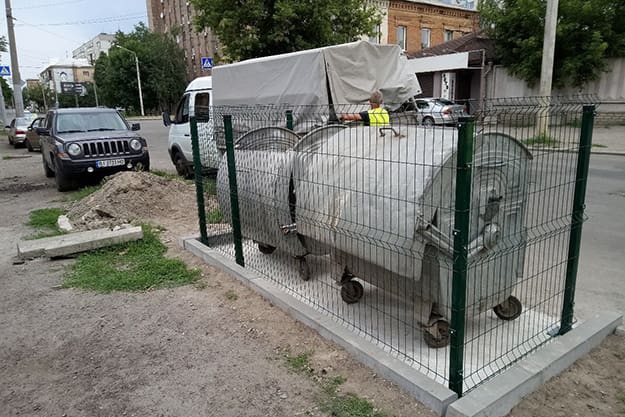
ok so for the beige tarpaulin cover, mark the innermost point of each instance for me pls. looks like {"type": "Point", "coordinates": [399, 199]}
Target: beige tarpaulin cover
{"type": "Point", "coordinates": [340, 74]}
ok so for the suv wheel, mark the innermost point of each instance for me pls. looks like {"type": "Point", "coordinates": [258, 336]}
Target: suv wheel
{"type": "Point", "coordinates": [46, 169]}
{"type": "Point", "coordinates": [29, 146]}
{"type": "Point", "coordinates": [63, 182]}
{"type": "Point", "coordinates": [428, 121]}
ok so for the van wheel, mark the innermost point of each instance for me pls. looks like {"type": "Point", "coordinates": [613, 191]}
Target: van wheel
{"type": "Point", "coordinates": [181, 166]}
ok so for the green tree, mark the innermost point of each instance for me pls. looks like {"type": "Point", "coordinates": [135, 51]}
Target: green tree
{"type": "Point", "coordinates": [588, 32]}
{"type": "Point", "coordinates": [7, 92]}
{"type": "Point", "coordinates": [161, 66]}
{"type": "Point", "coordinates": [254, 28]}
{"type": "Point", "coordinates": [39, 96]}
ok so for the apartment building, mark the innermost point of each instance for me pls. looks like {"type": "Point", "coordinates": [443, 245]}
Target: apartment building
{"type": "Point", "coordinates": [92, 49]}
{"type": "Point", "coordinates": [176, 17]}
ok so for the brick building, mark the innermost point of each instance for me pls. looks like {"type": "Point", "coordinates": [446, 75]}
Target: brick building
{"type": "Point", "coordinates": [416, 25]}
{"type": "Point", "coordinates": [176, 17]}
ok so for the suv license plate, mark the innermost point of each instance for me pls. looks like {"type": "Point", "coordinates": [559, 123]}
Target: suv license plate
{"type": "Point", "coordinates": [110, 163]}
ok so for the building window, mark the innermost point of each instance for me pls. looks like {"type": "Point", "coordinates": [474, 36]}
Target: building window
{"type": "Point", "coordinates": [85, 73]}
{"type": "Point", "coordinates": [425, 38]}
{"type": "Point", "coordinates": [449, 35]}
{"type": "Point", "coordinates": [401, 37]}
{"type": "Point", "coordinates": [376, 37]}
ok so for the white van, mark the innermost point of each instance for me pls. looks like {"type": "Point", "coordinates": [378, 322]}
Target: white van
{"type": "Point", "coordinates": [199, 92]}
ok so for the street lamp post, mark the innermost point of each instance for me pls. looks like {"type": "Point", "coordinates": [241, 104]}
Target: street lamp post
{"type": "Point", "coordinates": [138, 77]}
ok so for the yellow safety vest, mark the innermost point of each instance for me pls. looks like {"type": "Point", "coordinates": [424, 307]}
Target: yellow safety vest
{"type": "Point", "coordinates": [378, 117]}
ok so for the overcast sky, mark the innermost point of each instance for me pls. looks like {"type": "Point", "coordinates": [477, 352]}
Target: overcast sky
{"type": "Point", "coordinates": [46, 29]}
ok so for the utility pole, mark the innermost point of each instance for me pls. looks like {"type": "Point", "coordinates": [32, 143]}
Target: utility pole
{"type": "Point", "coordinates": [17, 80]}
{"type": "Point", "coordinates": [138, 77]}
{"type": "Point", "coordinates": [3, 112]}
{"type": "Point", "coordinates": [546, 71]}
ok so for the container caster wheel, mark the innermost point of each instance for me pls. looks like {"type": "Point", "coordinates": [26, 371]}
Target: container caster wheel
{"type": "Point", "coordinates": [266, 249]}
{"type": "Point", "coordinates": [304, 269]}
{"type": "Point", "coordinates": [437, 335]}
{"type": "Point", "coordinates": [510, 309]}
{"type": "Point", "coordinates": [352, 291]}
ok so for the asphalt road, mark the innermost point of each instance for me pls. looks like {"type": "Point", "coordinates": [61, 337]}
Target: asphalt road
{"type": "Point", "coordinates": [601, 276]}
{"type": "Point", "coordinates": [155, 133]}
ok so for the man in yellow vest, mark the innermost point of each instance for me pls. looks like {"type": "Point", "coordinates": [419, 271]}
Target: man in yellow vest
{"type": "Point", "coordinates": [376, 116]}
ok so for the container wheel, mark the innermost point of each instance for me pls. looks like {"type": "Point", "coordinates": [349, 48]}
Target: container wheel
{"type": "Point", "coordinates": [304, 269]}
{"type": "Point", "coordinates": [266, 249]}
{"type": "Point", "coordinates": [509, 309]}
{"type": "Point", "coordinates": [352, 291]}
{"type": "Point", "coordinates": [437, 335]}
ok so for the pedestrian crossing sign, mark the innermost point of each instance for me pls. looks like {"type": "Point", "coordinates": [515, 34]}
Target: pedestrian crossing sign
{"type": "Point", "coordinates": [5, 70]}
{"type": "Point", "coordinates": [207, 62]}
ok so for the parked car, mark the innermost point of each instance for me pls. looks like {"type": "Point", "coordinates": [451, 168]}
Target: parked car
{"type": "Point", "coordinates": [83, 143]}
{"type": "Point", "coordinates": [17, 131]}
{"type": "Point", "coordinates": [438, 111]}
{"type": "Point", "coordinates": [32, 137]}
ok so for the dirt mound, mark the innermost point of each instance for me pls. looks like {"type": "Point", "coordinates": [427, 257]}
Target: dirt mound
{"type": "Point", "coordinates": [130, 196]}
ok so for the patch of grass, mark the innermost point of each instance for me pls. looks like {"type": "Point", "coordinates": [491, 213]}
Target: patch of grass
{"type": "Point", "coordinates": [300, 363]}
{"type": "Point", "coordinates": [541, 140]}
{"type": "Point", "coordinates": [215, 216]}
{"type": "Point", "coordinates": [133, 266]}
{"type": "Point", "coordinates": [166, 175]}
{"type": "Point", "coordinates": [599, 145]}
{"type": "Point", "coordinates": [210, 186]}
{"type": "Point", "coordinates": [44, 222]}
{"type": "Point", "coordinates": [332, 402]}
{"type": "Point", "coordinates": [351, 405]}
{"type": "Point", "coordinates": [83, 192]}
{"type": "Point", "coordinates": [231, 295]}
{"type": "Point", "coordinates": [6, 157]}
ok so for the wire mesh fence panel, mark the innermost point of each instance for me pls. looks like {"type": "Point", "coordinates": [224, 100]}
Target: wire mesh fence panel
{"type": "Point", "coordinates": [358, 220]}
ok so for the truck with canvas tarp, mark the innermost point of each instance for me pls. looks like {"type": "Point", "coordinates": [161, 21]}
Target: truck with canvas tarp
{"type": "Point", "coordinates": [326, 79]}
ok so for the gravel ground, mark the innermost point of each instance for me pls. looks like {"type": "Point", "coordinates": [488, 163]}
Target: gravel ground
{"type": "Point", "coordinates": [195, 350]}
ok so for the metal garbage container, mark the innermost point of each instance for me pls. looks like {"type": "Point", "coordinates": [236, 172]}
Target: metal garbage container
{"type": "Point", "coordinates": [380, 203]}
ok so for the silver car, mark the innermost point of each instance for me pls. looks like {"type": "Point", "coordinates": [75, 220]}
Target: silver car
{"type": "Point", "coordinates": [18, 128]}
{"type": "Point", "coordinates": [438, 111]}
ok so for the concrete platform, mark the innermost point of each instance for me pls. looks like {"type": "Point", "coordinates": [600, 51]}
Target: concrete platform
{"type": "Point", "coordinates": [399, 354]}
{"type": "Point", "coordinates": [71, 243]}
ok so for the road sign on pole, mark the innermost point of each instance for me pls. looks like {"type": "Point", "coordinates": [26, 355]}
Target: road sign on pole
{"type": "Point", "coordinates": [5, 70]}
{"type": "Point", "coordinates": [207, 62]}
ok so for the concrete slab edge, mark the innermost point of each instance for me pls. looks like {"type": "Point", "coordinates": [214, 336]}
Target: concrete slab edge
{"type": "Point", "coordinates": [499, 395]}
{"type": "Point", "coordinates": [424, 389]}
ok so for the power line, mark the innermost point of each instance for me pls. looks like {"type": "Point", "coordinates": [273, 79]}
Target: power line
{"type": "Point", "coordinates": [97, 20]}
{"type": "Point", "coordinates": [42, 5]}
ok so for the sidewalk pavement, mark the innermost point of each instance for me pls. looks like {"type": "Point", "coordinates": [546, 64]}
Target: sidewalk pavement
{"type": "Point", "coordinates": [609, 140]}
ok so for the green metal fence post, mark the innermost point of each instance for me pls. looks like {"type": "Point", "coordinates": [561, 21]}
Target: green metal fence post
{"type": "Point", "coordinates": [234, 195]}
{"type": "Point", "coordinates": [199, 184]}
{"type": "Point", "coordinates": [289, 119]}
{"type": "Point", "coordinates": [577, 217]}
{"type": "Point", "coordinates": [461, 241]}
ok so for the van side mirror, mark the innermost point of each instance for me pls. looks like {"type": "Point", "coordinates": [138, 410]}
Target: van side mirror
{"type": "Point", "coordinates": [135, 126]}
{"type": "Point", "coordinates": [166, 119]}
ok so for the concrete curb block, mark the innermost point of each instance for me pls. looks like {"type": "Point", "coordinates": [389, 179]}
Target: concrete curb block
{"type": "Point", "coordinates": [76, 242]}
{"type": "Point", "coordinates": [424, 389]}
{"type": "Point", "coordinates": [499, 395]}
